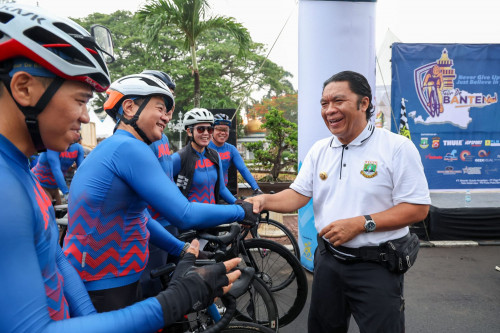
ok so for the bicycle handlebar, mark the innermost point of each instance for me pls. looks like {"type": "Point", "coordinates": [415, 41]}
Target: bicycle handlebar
{"type": "Point", "coordinates": [225, 239]}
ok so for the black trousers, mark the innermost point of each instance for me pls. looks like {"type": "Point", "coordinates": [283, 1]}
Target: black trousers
{"type": "Point", "coordinates": [368, 291]}
{"type": "Point", "coordinates": [115, 298]}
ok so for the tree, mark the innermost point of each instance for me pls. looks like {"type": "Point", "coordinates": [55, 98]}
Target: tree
{"type": "Point", "coordinates": [188, 17]}
{"type": "Point", "coordinates": [225, 83]}
{"type": "Point", "coordinates": [279, 151]}
{"type": "Point", "coordinates": [286, 102]}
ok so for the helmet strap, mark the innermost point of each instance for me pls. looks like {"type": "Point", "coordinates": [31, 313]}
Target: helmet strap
{"type": "Point", "coordinates": [31, 112]}
{"type": "Point", "coordinates": [133, 121]}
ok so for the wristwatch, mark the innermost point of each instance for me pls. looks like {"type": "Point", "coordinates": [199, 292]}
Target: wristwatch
{"type": "Point", "coordinates": [370, 225]}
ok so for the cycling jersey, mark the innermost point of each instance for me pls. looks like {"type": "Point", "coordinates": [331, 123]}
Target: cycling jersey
{"type": "Point", "coordinates": [229, 154]}
{"type": "Point", "coordinates": [204, 178]}
{"type": "Point", "coordinates": [161, 148]}
{"type": "Point", "coordinates": [41, 289]}
{"type": "Point", "coordinates": [107, 239]}
{"type": "Point", "coordinates": [52, 165]}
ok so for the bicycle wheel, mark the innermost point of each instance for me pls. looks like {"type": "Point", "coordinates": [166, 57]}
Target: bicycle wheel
{"type": "Point", "coordinates": [282, 273]}
{"type": "Point", "coordinates": [246, 327]}
{"type": "Point", "coordinates": [279, 233]}
{"type": "Point", "coordinates": [257, 305]}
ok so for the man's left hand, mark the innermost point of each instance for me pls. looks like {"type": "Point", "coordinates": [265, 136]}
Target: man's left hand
{"type": "Point", "coordinates": [342, 231]}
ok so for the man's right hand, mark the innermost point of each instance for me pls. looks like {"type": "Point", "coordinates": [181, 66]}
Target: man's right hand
{"type": "Point", "coordinates": [194, 288]}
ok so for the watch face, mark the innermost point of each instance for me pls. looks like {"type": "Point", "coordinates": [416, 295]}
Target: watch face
{"type": "Point", "coordinates": [370, 226]}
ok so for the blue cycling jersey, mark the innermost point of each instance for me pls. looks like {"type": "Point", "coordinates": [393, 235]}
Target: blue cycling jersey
{"type": "Point", "coordinates": [204, 180]}
{"type": "Point", "coordinates": [161, 148]}
{"type": "Point", "coordinates": [42, 292]}
{"type": "Point", "coordinates": [107, 239]}
{"type": "Point", "coordinates": [53, 165]}
{"type": "Point", "coordinates": [229, 154]}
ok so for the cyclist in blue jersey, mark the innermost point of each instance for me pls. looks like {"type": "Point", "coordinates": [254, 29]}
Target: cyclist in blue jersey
{"type": "Point", "coordinates": [228, 153]}
{"type": "Point", "coordinates": [49, 68]}
{"type": "Point", "coordinates": [161, 148]}
{"type": "Point", "coordinates": [197, 168]}
{"type": "Point", "coordinates": [51, 168]}
{"type": "Point", "coordinates": [108, 226]}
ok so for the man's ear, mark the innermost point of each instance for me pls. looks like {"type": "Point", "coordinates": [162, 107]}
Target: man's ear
{"type": "Point", "coordinates": [365, 102]}
{"type": "Point", "coordinates": [128, 108]}
{"type": "Point", "coordinates": [26, 89]}
{"type": "Point", "coordinates": [188, 131]}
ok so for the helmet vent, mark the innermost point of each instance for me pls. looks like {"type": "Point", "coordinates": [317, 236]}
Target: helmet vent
{"type": "Point", "coordinates": [68, 52]}
{"type": "Point", "coordinates": [4, 17]}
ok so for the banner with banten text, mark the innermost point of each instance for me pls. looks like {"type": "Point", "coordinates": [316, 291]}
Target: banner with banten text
{"type": "Point", "coordinates": [450, 92]}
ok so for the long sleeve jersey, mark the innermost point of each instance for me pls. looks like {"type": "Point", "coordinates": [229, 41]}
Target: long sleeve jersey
{"type": "Point", "coordinates": [204, 180]}
{"type": "Point", "coordinates": [161, 149]}
{"type": "Point", "coordinates": [41, 290]}
{"type": "Point", "coordinates": [229, 154]}
{"type": "Point", "coordinates": [53, 165]}
{"type": "Point", "coordinates": [107, 239]}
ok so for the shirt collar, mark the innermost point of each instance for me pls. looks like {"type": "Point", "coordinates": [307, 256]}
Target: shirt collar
{"type": "Point", "coordinates": [359, 140]}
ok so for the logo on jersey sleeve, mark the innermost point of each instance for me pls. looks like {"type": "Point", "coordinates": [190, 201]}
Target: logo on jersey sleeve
{"type": "Point", "coordinates": [369, 169]}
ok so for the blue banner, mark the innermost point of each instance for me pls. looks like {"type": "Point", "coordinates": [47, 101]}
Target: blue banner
{"type": "Point", "coordinates": [445, 98]}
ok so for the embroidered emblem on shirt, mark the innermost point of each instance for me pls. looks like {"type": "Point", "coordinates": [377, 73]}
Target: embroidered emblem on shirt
{"type": "Point", "coordinates": [369, 169]}
{"type": "Point", "coordinates": [323, 175]}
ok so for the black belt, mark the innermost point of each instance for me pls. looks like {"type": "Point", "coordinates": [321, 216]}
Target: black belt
{"type": "Point", "coordinates": [349, 254]}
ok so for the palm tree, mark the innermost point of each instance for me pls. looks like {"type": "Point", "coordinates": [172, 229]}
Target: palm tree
{"type": "Point", "coordinates": [189, 17]}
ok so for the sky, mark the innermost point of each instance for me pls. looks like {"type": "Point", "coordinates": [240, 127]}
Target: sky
{"type": "Point", "coordinates": [412, 21]}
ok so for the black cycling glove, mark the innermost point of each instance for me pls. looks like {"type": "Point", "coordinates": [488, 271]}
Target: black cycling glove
{"type": "Point", "coordinates": [250, 217]}
{"type": "Point", "coordinates": [191, 288]}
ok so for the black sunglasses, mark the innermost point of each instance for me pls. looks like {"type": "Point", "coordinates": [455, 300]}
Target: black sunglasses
{"type": "Point", "coordinates": [201, 129]}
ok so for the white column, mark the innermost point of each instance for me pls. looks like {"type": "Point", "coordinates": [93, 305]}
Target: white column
{"type": "Point", "coordinates": [333, 36]}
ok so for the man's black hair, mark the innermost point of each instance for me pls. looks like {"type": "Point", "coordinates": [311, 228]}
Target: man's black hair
{"type": "Point", "coordinates": [358, 85]}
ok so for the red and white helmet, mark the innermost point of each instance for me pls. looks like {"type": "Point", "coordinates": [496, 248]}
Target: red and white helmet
{"type": "Point", "coordinates": [57, 44]}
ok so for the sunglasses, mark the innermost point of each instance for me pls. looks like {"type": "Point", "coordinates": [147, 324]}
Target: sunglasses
{"type": "Point", "coordinates": [222, 129]}
{"type": "Point", "coordinates": [202, 129]}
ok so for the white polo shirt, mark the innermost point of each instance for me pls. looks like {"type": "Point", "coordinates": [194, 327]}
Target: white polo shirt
{"type": "Point", "coordinates": [373, 173]}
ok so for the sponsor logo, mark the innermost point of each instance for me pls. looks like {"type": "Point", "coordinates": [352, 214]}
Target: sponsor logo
{"type": "Point", "coordinates": [489, 170]}
{"type": "Point", "coordinates": [466, 156]}
{"type": "Point", "coordinates": [472, 170]}
{"type": "Point", "coordinates": [433, 157]}
{"type": "Point", "coordinates": [483, 160]}
{"type": "Point", "coordinates": [435, 142]}
{"type": "Point", "coordinates": [483, 153]}
{"type": "Point", "coordinates": [453, 142]}
{"type": "Point", "coordinates": [369, 169]}
{"type": "Point", "coordinates": [492, 143]}
{"type": "Point", "coordinates": [474, 143]}
{"type": "Point", "coordinates": [449, 170]}
{"type": "Point", "coordinates": [451, 156]}
{"type": "Point", "coordinates": [424, 143]}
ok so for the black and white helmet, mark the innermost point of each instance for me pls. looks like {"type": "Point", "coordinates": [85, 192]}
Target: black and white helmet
{"type": "Point", "coordinates": [197, 116]}
{"type": "Point", "coordinates": [135, 85]}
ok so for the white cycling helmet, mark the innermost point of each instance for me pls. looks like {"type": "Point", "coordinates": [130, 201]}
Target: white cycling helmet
{"type": "Point", "coordinates": [37, 42]}
{"type": "Point", "coordinates": [197, 116]}
{"type": "Point", "coordinates": [135, 86]}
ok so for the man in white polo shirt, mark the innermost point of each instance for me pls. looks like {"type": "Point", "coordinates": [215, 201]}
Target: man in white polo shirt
{"type": "Point", "coordinates": [367, 186]}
